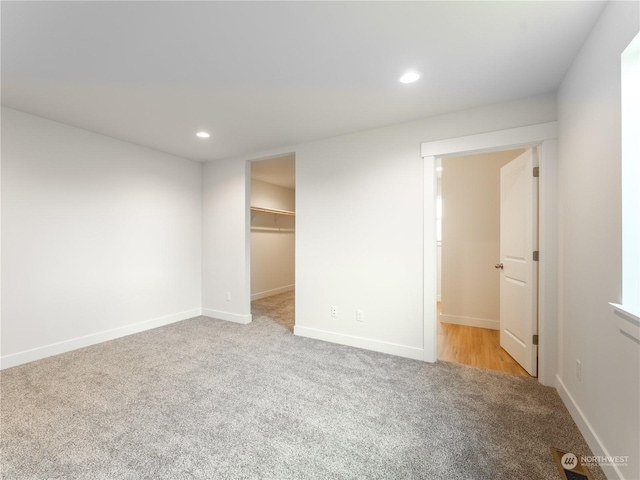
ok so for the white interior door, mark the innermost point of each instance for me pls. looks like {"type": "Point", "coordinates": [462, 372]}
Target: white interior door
{"type": "Point", "coordinates": [519, 272]}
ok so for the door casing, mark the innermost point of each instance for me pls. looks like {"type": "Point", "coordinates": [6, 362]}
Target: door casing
{"type": "Point", "coordinates": [543, 136]}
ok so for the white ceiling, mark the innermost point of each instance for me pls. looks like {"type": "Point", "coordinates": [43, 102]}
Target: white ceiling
{"type": "Point", "coordinates": [261, 75]}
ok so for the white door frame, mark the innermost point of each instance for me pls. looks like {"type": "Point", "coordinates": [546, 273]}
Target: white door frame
{"type": "Point", "coordinates": [544, 136]}
{"type": "Point", "coordinates": [247, 219]}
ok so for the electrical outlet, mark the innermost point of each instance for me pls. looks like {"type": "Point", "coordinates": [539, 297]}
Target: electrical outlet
{"type": "Point", "coordinates": [334, 311]}
{"type": "Point", "coordinates": [359, 316]}
{"type": "Point", "coordinates": [228, 296]}
{"type": "Point", "coordinates": [579, 370]}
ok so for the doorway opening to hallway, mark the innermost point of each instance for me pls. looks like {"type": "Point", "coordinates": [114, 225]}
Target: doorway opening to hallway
{"type": "Point", "coordinates": [486, 220]}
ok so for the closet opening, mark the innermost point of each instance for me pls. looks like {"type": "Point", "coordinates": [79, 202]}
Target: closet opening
{"type": "Point", "coordinates": [273, 229]}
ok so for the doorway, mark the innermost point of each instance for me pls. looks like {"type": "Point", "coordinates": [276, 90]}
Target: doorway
{"type": "Point", "coordinates": [469, 249]}
{"type": "Point", "coordinates": [272, 258]}
{"type": "Point", "coordinates": [544, 137]}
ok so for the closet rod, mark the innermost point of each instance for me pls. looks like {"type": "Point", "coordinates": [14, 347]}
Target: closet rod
{"type": "Point", "coordinates": [271, 210]}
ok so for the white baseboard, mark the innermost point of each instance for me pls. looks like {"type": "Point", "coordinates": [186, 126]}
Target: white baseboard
{"type": "Point", "coordinates": [359, 342]}
{"type": "Point", "coordinates": [229, 317]}
{"type": "Point", "coordinates": [592, 439]}
{"type": "Point", "coordinates": [88, 340]}
{"type": "Point", "coordinates": [274, 291]}
{"type": "Point", "coordinates": [470, 321]}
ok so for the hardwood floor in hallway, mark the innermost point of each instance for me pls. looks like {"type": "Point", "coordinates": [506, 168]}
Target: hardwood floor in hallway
{"type": "Point", "coordinates": [477, 347]}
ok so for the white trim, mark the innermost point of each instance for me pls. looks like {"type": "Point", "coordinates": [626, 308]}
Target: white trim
{"type": "Point", "coordinates": [470, 321]}
{"type": "Point", "coordinates": [632, 312]}
{"type": "Point", "coordinates": [548, 287]}
{"type": "Point", "coordinates": [589, 434]}
{"type": "Point", "coordinates": [430, 266]}
{"type": "Point", "coordinates": [630, 170]}
{"type": "Point", "coordinates": [360, 342]}
{"type": "Point", "coordinates": [227, 316]}
{"type": "Point", "coordinates": [543, 135]}
{"type": "Point", "coordinates": [274, 291]}
{"type": "Point", "coordinates": [246, 279]}
{"type": "Point", "coordinates": [94, 338]}
{"type": "Point", "coordinates": [628, 320]}
{"type": "Point", "coordinates": [484, 142]}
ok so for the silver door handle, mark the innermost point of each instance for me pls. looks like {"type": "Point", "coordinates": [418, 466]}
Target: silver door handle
{"type": "Point", "coordinates": [499, 266]}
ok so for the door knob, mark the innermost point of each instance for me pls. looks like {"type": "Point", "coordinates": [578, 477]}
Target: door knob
{"type": "Point", "coordinates": [499, 266]}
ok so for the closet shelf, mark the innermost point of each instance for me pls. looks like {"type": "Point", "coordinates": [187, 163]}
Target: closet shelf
{"type": "Point", "coordinates": [272, 229]}
{"type": "Point", "coordinates": [271, 210]}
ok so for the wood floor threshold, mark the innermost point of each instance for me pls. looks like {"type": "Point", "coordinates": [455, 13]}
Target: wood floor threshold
{"type": "Point", "coordinates": [476, 347]}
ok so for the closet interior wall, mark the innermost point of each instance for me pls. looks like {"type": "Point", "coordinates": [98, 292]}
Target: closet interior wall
{"type": "Point", "coordinates": [272, 239]}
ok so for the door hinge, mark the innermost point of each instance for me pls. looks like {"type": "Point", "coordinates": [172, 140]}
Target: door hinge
{"type": "Point", "coordinates": [536, 172]}
{"type": "Point", "coordinates": [535, 339]}
{"type": "Point", "coordinates": [536, 256]}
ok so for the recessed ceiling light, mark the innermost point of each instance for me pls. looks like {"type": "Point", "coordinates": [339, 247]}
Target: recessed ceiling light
{"type": "Point", "coordinates": [203, 135]}
{"type": "Point", "coordinates": [409, 77]}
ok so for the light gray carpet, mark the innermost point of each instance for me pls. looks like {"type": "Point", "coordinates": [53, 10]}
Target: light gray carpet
{"type": "Point", "coordinates": [209, 399]}
{"type": "Point", "coordinates": [279, 308]}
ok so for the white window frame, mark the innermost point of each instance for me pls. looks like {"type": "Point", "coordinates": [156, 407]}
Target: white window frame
{"type": "Point", "coordinates": [628, 310]}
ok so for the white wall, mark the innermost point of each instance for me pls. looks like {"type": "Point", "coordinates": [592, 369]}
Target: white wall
{"type": "Point", "coordinates": [100, 238]}
{"type": "Point", "coordinates": [471, 238]}
{"type": "Point", "coordinates": [226, 292]}
{"type": "Point", "coordinates": [359, 238]}
{"type": "Point", "coordinates": [272, 252]}
{"type": "Point", "coordinates": [359, 226]}
{"type": "Point", "coordinates": [268, 195]}
{"type": "Point", "coordinates": [606, 402]}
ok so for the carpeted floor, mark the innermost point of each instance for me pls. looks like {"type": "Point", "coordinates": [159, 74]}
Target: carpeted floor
{"type": "Point", "coordinates": [209, 399]}
{"type": "Point", "coordinates": [279, 308]}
